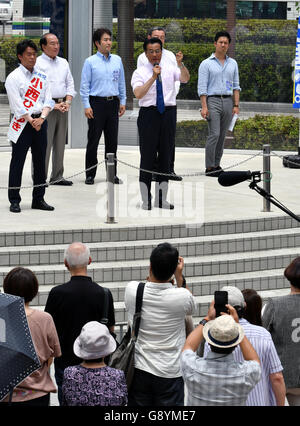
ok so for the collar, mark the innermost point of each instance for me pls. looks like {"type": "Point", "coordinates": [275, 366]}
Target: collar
{"type": "Point", "coordinates": [80, 278]}
{"type": "Point", "coordinates": [103, 56]}
{"type": "Point", "coordinates": [213, 56]}
{"type": "Point", "coordinates": [222, 357]}
{"type": "Point", "coordinates": [161, 286]}
{"type": "Point", "coordinates": [26, 71]}
{"type": "Point", "coordinates": [44, 56]}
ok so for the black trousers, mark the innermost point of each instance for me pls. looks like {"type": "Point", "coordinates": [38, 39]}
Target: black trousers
{"type": "Point", "coordinates": [37, 141]}
{"type": "Point", "coordinates": [149, 390]}
{"type": "Point", "coordinates": [106, 119]}
{"type": "Point", "coordinates": [156, 137]}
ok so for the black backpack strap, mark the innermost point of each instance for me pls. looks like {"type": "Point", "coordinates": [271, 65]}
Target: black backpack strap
{"type": "Point", "coordinates": [138, 308]}
{"type": "Point", "coordinates": [104, 319]}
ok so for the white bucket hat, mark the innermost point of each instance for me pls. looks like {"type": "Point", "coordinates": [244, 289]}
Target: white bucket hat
{"type": "Point", "coordinates": [223, 332]}
{"type": "Point", "coordinates": [94, 341]}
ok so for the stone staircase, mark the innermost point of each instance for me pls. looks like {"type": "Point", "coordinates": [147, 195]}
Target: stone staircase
{"type": "Point", "coordinates": [244, 253]}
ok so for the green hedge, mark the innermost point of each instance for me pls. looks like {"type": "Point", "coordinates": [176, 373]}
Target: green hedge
{"type": "Point", "coordinates": [259, 31]}
{"type": "Point", "coordinates": [281, 132]}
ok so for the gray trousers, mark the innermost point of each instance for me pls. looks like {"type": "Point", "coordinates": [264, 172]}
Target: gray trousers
{"type": "Point", "coordinates": [56, 135]}
{"type": "Point", "coordinates": [220, 115]}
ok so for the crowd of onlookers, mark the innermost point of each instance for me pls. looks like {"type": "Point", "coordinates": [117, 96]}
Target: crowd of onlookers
{"type": "Point", "coordinates": [247, 355]}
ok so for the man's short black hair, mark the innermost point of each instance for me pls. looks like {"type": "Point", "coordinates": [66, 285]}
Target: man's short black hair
{"type": "Point", "coordinates": [156, 29]}
{"type": "Point", "coordinates": [222, 34]}
{"type": "Point", "coordinates": [164, 261]}
{"type": "Point", "coordinates": [151, 41]}
{"type": "Point", "coordinates": [43, 40]}
{"type": "Point", "coordinates": [292, 273]}
{"type": "Point", "coordinates": [22, 46]}
{"type": "Point", "coordinates": [97, 34]}
{"type": "Point", "coordinates": [224, 351]}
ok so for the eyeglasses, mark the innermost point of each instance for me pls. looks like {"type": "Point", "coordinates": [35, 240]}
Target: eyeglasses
{"type": "Point", "coordinates": [151, 52]}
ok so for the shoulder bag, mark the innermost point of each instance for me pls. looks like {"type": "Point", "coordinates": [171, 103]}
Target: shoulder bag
{"type": "Point", "coordinates": [123, 357]}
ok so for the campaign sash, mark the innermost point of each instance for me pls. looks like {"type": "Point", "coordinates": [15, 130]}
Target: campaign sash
{"type": "Point", "coordinates": [296, 91]}
{"type": "Point", "coordinates": [35, 89]}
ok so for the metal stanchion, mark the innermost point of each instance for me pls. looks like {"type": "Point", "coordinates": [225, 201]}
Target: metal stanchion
{"type": "Point", "coordinates": [267, 176]}
{"type": "Point", "coordinates": [110, 174]}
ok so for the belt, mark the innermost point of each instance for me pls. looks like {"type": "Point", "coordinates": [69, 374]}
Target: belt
{"type": "Point", "coordinates": [59, 100]}
{"type": "Point", "coordinates": [219, 96]}
{"type": "Point", "coordinates": [36, 115]}
{"type": "Point", "coordinates": [104, 98]}
{"type": "Point", "coordinates": [155, 107]}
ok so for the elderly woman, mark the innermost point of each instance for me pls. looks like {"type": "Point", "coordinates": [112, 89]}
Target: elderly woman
{"type": "Point", "coordinates": [281, 316]}
{"type": "Point", "coordinates": [35, 389]}
{"type": "Point", "coordinates": [93, 383]}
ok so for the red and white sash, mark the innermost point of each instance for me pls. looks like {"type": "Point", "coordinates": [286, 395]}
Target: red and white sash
{"type": "Point", "coordinates": [35, 89]}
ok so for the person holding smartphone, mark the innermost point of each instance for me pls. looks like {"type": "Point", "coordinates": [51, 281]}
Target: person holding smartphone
{"type": "Point", "coordinates": [218, 379]}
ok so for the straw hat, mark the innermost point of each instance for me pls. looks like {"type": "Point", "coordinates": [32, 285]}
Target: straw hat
{"type": "Point", "coordinates": [223, 332]}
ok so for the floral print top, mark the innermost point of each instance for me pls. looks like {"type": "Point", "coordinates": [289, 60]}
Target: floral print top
{"type": "Point", "coordinates": [104, 386]}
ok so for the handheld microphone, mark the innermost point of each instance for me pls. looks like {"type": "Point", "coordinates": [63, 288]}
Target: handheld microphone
{"type": "Point", "coordinates": [159, 76]}
{"type": "Point", "coordinates": [233, 178]}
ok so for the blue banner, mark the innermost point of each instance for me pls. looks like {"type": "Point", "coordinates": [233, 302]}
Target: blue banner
{"type": "Point", "coordinates": [296, 92]}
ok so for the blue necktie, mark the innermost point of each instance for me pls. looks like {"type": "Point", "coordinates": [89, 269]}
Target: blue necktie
{"type": "Point", "coordinates": [159, 96]}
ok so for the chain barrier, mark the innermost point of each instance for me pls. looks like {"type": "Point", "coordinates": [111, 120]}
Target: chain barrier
{"type": "Point", "coordinates": [53, 182]}
{"type": "Point", "coordinates": [137, 168]}
{"type": "Point", "coordinates": [191, 174]}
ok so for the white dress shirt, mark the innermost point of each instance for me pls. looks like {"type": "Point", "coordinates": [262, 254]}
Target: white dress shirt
{"type": "Point", "coordinates": [59, 75]}
{"type": "Point", "coordinates": [16, 85]}
{"type": "Point", "coordinates": [167, 55]}
{"type": "Point", "coordinates": [169, 75]}
{"type": "Point", "coordinates": [162, 329]}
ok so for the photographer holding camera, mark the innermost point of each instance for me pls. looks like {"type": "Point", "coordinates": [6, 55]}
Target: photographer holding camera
{"type": "Point", "coordinates": [218, 379]}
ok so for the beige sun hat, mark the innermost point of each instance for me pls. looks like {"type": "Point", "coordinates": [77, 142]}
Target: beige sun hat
{"type": "Point", "coordinates": [94, 341]}
{"type": "Point", "coordinates": [223, 332]}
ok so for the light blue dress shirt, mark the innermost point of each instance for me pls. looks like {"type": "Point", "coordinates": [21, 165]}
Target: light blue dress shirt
{"type": "Point", "coordinates": [102, 76]}
{"type": "Point", "coordinates": [217, 79]}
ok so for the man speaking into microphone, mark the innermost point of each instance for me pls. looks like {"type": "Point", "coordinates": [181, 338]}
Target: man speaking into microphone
{"type": "Point", "coordinates": [154, 85]}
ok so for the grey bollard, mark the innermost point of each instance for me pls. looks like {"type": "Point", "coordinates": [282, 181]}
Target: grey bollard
{"type": "Point", "coordinates": [267, 176]}
{"type": "Point", "coordinates": [110, 174]}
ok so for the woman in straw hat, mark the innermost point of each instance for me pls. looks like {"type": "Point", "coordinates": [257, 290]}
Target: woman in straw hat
{"type": "Point", "coordinates": [93, 382]}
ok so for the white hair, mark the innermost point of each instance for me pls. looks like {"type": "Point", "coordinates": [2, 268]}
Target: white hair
{"type": "Point", "coordinates": [77, 255]}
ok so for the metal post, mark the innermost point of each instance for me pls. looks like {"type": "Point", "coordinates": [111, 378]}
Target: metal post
{"type": "Point", "coordinates": [110, 174]}
{"type": "Point", "coordinates": [267, 175]}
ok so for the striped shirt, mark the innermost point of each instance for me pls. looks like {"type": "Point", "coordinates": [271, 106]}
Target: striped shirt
{"type": "Point", "coordinates": [217, 379]}
{"type": "Point", "coordinates": [262, 342]}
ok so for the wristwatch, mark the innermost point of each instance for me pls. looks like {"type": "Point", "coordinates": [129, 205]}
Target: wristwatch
{"type": "Point", "coordinates": [203, 322]}
{"type": "Point", "coordinates": [43, 116]}
{"type": "Point", "coordinates": [236, 106]}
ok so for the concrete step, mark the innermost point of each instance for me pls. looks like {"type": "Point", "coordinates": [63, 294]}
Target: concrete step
{"type": "Point", "coordinates": [138, 250]}
{"type": "Point", "coordinates": [111, 233]}
{"type": "Point", "coordinates": [221, 264]}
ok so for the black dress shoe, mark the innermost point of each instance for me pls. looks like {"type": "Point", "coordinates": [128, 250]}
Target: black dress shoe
{"type": "Point", "coordinates": [15, 208]}
{"type": "Point", "coordinates": [41, 205]}
{"type": "Point", "coordinates": [164, 205]}
{"type": "Point", "coordinates": [89, 180]}
{"type": "Point", "coordinates": [174, 176]}
{"type": "Point", "coordinates": [62, 182]}
{"type": "Point", "coordinates": [213, 172]}
{"type": "Point", "coordinates": [117, 181]}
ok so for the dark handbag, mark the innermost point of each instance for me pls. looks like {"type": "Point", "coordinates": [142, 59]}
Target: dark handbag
{"type": "Point", "coordinates": [123, 357]}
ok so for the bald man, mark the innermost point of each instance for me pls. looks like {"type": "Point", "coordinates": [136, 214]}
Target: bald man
{"type": "Point", "coordinates": [75, 303]}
